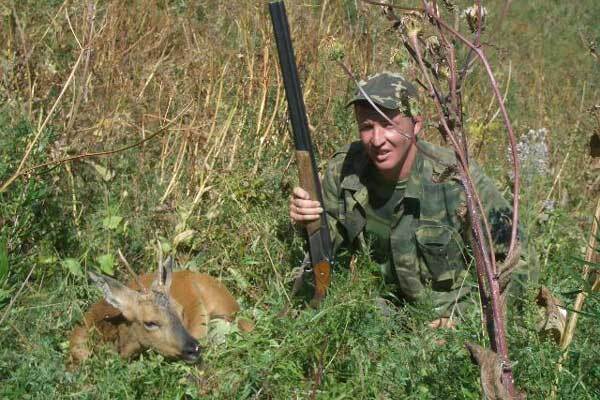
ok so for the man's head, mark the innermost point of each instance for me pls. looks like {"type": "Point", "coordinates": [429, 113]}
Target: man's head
{"type": "Point", "coordinates": [389, 140]}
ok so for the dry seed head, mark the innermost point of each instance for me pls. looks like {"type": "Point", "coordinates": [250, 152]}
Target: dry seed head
{"type": "Point", "coordinates": [333, 49]}
{"type": "Point", "coordinates": [412, 25]}
{"type": "Point", "coordinates": [472, 16]}
{"type": "Point", "coordinates": [433, 44]}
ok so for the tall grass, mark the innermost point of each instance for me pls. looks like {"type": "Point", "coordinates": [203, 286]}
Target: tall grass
{"type": "Point", "coordinates": [221, 173]}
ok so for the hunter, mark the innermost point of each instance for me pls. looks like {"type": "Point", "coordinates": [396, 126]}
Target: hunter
{"type": "Point", "coordinates": [395, 193]}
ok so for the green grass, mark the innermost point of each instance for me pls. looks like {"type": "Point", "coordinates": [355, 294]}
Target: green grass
{"type": "Point", "coordinates": [346, 349]}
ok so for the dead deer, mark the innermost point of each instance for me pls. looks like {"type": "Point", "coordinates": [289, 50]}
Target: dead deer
{"type": "Point", "coordinates": [168, 312]}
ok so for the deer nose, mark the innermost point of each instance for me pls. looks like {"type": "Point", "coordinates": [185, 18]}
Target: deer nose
{"type": "Point", "coordinates": [191, 351]}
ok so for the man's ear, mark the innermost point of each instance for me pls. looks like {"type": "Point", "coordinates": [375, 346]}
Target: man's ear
{"type": "Point", "coordinates": [418, 120]}
{"type": "Point", "coordinates": [117, 295]}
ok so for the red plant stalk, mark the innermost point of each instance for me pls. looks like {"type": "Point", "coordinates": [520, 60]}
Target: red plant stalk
{"type": "Point", "coordinates": [485, 267]}
{"type": "Point", "coordinates": [484, 264]}
{"type": "Point", "coordinates": [452, 124]}
{"type": "Point", "coordinates": [511, 135]}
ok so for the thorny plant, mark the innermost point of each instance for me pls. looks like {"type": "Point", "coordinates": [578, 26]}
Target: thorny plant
{"type": "Point", "coordinates": [443, 77]}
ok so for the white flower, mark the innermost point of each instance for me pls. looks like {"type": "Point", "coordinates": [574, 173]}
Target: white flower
{"type": "Point", "coordinates": [532, 151]}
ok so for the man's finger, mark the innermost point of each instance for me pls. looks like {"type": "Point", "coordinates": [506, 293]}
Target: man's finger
{"type": "Point", "coordinates": [300, 193]}
{"type": "Point", "coordinates": [307, 210]}
{"type": "Point", "coordinates": [303, 217]}
{"type": "Point", "coordinates": [305, 203]}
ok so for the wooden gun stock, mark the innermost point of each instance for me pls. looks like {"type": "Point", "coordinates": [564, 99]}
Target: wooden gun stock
{"type": "Point", "coordinates": [319, 242]}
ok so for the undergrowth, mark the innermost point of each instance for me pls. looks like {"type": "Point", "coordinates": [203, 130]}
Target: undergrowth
{"type": "Point", "coordinates": [221, 173]}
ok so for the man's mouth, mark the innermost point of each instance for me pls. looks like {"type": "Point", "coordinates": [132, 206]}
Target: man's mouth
{"type": "Point", "coordinates": [381, 155]}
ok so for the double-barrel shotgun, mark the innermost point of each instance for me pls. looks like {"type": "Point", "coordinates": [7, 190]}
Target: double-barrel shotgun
{"type": "Point", "coordinates": [319, 242]}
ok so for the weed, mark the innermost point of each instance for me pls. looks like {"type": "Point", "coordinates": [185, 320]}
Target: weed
{"type": "Point", "coordinates": [223, 171]}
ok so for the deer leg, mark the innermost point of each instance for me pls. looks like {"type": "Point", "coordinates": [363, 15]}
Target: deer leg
{"type": "Point", "coordinates": [197, 323]}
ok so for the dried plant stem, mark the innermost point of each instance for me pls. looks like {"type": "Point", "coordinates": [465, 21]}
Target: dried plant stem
{"type": "Point", "coordinates": [569, 332]}
{"type": "Point", "coordinates": [36, 138]}
{"type": "Point", "coordinates": [407, 9]}
{"type": "Point", "coordinates": [261, 108]}
{"type": "Point", "coordinates": [91, 16]}
{"type": "Point", "coordinates": [167, 146]}
{"type": "Point", "coordinates": [176, 169]}
{"type": "Point", "coordinates": [218, 103]}
{"type": "Point", "coordinates": [209, 162]}
{"type": "Point", "coordinates": [215, 150]}
{"type": "Point", "coordinates": [236, 140]}
{"type": "Point", "coordinates": [567, 336]}
{"type": "Point", "coordinates": [16, 296]}
{"type": "Point", "coordinates": [154, 69]}
{"type": "Point", "coordinates": [104, 153]}
{"type": "Point", "coordinates": [508, 79]}
{"type": "Point", "coordinates": [265, 135]}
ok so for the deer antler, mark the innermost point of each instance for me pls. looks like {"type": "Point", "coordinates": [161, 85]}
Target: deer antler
{"type": "Point", "coordinates": [131, 271]}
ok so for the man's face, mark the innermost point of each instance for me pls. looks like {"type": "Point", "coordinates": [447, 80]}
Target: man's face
{"type": "Point", "coordinates": [387, 145]}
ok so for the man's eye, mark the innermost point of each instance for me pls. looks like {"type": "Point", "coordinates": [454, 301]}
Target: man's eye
{"type": "Point", "coordinates": [366, 127]}
{"type": "Point", "coordinates": [151, 325]}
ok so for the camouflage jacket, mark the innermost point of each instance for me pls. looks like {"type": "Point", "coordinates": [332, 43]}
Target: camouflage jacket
{"type": "Point", "coordinates": [427, 241]}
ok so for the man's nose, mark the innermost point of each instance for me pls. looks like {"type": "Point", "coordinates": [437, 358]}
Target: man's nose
{"type": "Point", "coordinates": [378, 135]}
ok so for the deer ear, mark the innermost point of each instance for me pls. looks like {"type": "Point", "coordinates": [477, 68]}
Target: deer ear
{"type": "Point", "coordinates": [164, 275]}
{"type": "Point", "coordinates": [117, 295]}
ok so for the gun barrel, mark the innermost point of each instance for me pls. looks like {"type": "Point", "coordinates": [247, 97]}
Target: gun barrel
{"type": "Point", "coordinates": [289, 72]}
{"type": "Point", "coordinates": [318, 232]}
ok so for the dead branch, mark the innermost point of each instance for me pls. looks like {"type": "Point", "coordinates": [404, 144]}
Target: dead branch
{"type": "Point", "coordinates": [29, 171]}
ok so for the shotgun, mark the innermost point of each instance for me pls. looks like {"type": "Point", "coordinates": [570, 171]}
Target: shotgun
{"type": "Point", "coordinates": [319, 242]}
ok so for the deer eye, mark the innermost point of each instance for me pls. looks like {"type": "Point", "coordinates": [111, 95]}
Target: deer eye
{"type": "Point", "coordinates": [151, 325]}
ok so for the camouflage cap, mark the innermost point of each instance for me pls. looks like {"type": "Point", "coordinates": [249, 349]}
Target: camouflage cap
{"type": "Point", "coordinates": [390, 90]}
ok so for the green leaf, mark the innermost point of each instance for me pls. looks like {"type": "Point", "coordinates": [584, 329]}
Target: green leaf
{"type": "Point", "coordinates": [106, 263]}
{"type": "Point", "coordinates": [165, 246]}
{"type": "Point", "coordinates": [112, 222]}
{"type": "Point", "coordinates": [5, 295]}
{"type": "Point", "coordinates": [47, 259]}
{"type": "Point", "coordinates": [3, 259]}
{"type": "Point", "coordinates": [73, 266]}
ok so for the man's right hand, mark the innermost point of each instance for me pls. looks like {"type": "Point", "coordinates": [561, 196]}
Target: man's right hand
{"type": "Point", "coordinates": [302, 209]}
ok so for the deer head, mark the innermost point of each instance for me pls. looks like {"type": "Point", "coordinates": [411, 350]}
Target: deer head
{"type": "Point", "coordinates": [155, 318]}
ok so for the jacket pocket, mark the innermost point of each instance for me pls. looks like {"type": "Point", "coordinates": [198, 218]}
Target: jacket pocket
{"type": "Point", "coordinates": [440, 247]}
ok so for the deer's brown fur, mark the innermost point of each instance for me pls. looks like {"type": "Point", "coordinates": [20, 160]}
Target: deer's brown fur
{"type": "Point", "coordinates": [194, 299]}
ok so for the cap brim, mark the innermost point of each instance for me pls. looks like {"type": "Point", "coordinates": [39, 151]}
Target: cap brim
{"type": "Point", "coordinates": [361, 98]}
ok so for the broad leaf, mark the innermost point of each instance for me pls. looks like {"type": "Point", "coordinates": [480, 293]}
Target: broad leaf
{"type": "Point", "coordinates": [112, 222]}
{"type": "Point", "coordinates": [106, 263]}
{"type": "Point", "coordinates": [73, 266]}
